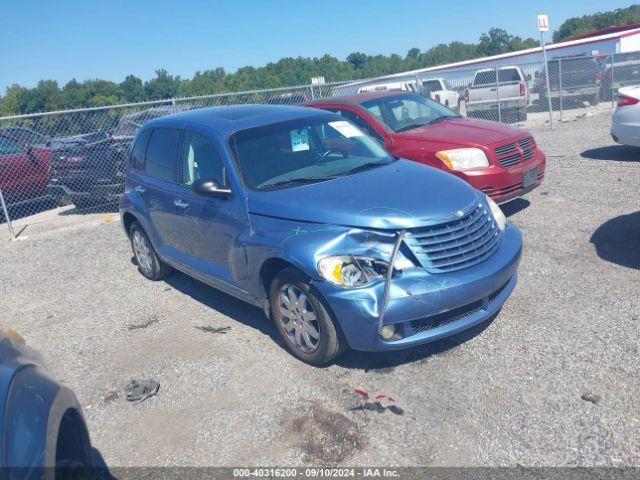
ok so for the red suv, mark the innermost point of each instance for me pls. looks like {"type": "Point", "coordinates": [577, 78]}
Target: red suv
{"type": "Point", "coordinates": [24, 168]}
{"type": "Point", "coordinates": [501, 161]}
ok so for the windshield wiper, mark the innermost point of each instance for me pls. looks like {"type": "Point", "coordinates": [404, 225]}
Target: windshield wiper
{"type": "Point", "coordinates": [442, 118]}
{"type": "Point", "coordinates": [367, 166]}
{"type": "Point", "coordinates": [410, 127]}
{"type": "Point", "coordinates": [294, 181]}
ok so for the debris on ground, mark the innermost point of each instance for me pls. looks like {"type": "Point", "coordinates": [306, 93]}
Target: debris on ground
{"type": "Point", "coordinates": [210, 329]}
{"type": "Point", "coordinates": [111, 396]}
{"type": "Point", "coordinates": [139, 390]}
{"type": "Point", "coordinates": [138, 326]}
{"type": "Point", "coordinates": [590, 397]}
{"type": "Point", "coordinates": [380, 403]}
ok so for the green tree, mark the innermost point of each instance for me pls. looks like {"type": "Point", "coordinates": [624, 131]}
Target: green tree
{"type": "Point", "coordinates": [358, 60]}
{"type": "Point", "coordinates": [14, 101]}
{"type": "Point", "coordinates": [132, 89]}
{"type": "Point", "coordinates": [588, 23]}
{"type": "Point", "coordinates": [163, 86]}
{"type": "Point", "coordinates": [498, 41]}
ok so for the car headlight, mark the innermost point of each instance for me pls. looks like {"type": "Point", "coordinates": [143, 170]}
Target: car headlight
{"type": "Point", "coordinates": [497, 213]}
{"type": "Point", "coordinates": [354, 271]}
{"type": "Point", "coordinates": [463, 158]}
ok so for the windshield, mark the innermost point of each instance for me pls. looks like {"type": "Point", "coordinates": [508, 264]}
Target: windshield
{"type": "Point", "coordinates": [305, 150]}
{"type": "Point", "coordinates": [407, 111]}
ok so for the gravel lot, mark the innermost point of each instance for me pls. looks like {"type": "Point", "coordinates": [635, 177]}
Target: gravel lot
{"type": "Point", "coordinates": [506, 393]}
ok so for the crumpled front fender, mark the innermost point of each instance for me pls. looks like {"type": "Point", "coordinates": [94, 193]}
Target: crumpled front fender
{"type": "Point", "coordinates": [304, 244]}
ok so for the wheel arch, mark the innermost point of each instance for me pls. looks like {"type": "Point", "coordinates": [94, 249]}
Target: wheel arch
{"type": "Point", "coordinates": [127, 220]}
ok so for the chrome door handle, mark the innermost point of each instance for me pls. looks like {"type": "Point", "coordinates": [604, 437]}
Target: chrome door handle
{"type": "Point", "coordinates": [139, 189]}
{"type": "Point", "coordinates": [180, 204]}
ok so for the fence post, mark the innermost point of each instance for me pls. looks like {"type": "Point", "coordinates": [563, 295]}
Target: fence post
{"type": "Point", "coordinates": [613, 97]}
{"type": "Point", "coordinates": [312, 93]}
{"type": "Point", "coordinates": [560, 83]}
{"type": "Point", "coordinates": [498, 94]}
{"type": "Point", "coordinates": [6, 216]}
{"type": "Point", "coordinates": [546, 77]}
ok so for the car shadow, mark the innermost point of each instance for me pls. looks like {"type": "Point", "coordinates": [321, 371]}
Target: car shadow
{"type": "Point", "coordinates": [514, 206]}
{"type": "Point", "coordinates": [618, 240]}
{"type": "Point", "coordinates": [223, 303]}
{"type": "Point", "coordinates": [99, 468]}
{"type": "Point", "coordinates": [254, 317]}
{"type": "Point", "coordinates": [384, 362]}
{"type": "Point", "coordinates": [618, 153]}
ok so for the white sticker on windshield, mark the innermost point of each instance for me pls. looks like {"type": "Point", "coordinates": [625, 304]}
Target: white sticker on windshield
{"type": "Point", "coordinates": [299, 140]}
{"type": "Point", "coordinates": [346, 129]}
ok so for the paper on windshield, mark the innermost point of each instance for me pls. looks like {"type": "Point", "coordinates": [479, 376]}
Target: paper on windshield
{"type": "Point", "coordinates": [299, 140]}
{"type": "Point", "coordinates": [346, 129]}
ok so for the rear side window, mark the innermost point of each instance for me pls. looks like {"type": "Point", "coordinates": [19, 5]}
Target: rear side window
{"type": "Point", "coordinates": [137, 154]}
{"type": "Point", "coordinates": [200, 160]}
{"type": "Point", "coordinates": [488, 77]}
{"type": "Point", "coordinates": [509, 75]}
{"type": "Point", "coordinates": [162, 154]}
{"type": "Point", "coordinates": [431, 86]}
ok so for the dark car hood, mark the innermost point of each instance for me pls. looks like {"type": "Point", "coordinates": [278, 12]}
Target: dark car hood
{"type": "Point", "coordinates": [403, 194]}
{"type": "Point", "coordinates": [463, 131]}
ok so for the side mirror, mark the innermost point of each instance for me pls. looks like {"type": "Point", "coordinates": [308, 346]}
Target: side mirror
{"type": "Point", "coordinates": [208, 187]}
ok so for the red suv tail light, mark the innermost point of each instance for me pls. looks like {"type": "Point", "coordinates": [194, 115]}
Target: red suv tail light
{"type": "Point", "coordinates": [598, 77]}
{"type": "Point", "coordinates": [624, 101]}
{"type": "Point", "coordinates": [437, 98]}
{"type": "Point", "coordinates": [523, 89]}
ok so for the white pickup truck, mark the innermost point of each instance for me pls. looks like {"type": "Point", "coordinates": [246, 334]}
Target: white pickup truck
{"type": "Point", "coordinates": [498, 95]}
{"type": "Point", "coordinates": [439, 90]}
{"type": "Point", "coordinates": [436, 89]}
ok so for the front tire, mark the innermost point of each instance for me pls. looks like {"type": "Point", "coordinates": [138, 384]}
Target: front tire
{"type": "Point", "coordinates": [149, 264]}
{"type": "Point", "coordinates": [302, 320]}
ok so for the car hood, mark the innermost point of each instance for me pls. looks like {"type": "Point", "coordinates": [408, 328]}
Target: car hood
{"type": "Point", "coordinates": [403, 194]}
{"type": "Point", "coordinates": [463, 131]}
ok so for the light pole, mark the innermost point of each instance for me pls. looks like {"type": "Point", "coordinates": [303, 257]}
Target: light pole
{"type": "Point", "coordinates": [543, 26]}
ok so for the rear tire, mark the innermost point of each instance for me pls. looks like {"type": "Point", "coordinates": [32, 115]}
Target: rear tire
{"type": "Point", "coordinates": [304, 324]}
{"type": "Point", "coordinates": [594, 100]}
{"type": "Point", "coordinates": [149, 264]}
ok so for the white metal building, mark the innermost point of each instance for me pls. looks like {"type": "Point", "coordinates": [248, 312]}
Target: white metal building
{"type": "Point", "coordinates": [609, 41]}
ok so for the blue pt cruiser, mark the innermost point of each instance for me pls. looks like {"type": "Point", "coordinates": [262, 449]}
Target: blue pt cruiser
{"type": "Point", "coordinates": [300, 212]}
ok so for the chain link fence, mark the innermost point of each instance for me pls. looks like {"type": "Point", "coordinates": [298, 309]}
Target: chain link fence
{"type": "Point", "coordinates": [77, 158]}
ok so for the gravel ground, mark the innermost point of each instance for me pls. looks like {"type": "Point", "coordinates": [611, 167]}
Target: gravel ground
{"type": "Point", "coordinates": [506, 393]}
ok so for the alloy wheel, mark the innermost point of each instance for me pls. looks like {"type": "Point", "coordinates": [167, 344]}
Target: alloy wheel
{"type": "Point", "coordinates": [142, 251]}
{"type": "Point", "coordinates": [298, 319]}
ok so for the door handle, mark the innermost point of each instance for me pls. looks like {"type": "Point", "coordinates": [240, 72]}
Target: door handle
{"type": "Point", "coordinates": [180, 204]}
{"type": "Point", "coordinates": [139, 189]}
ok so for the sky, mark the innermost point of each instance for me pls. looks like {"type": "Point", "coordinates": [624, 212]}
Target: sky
{"type": "Point", "coordinates": [66, 39]}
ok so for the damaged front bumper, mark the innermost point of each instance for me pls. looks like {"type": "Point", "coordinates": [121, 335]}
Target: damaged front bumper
{"type": "Point", "coordinates": [424, 306]}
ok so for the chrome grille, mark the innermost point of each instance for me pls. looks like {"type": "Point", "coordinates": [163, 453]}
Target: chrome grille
{"type": "Point", "coordinates": [513, 153]}
{"type": "Point", "coordinates": [526, 143]}
{"type": "Point", "coordinates": [505, 149]}
{"type": "Point", "coordinates": [528, 154]}
{"type": "Point", "coordinates": [510, 160]}
{"type": "Point", "coordinates": [456, 244]}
